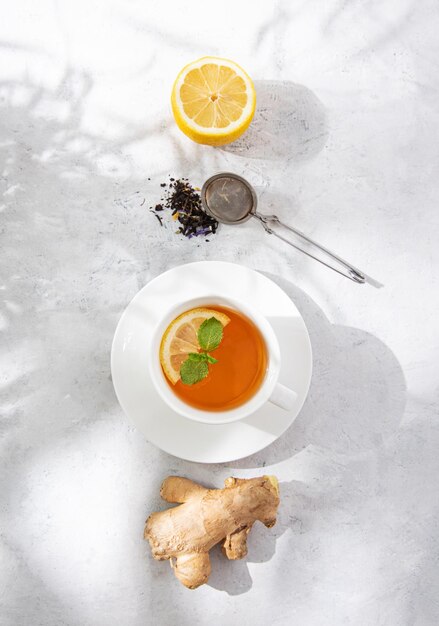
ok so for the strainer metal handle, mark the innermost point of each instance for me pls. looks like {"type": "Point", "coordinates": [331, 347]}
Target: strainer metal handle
{"type": "Point", "coordinates": [231, 199]}
{"type": "Point", "coordinates": [345, 269]}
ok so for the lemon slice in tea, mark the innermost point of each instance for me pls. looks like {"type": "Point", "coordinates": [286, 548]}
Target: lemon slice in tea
{"type": "Point", "coordinates": [180, 338]}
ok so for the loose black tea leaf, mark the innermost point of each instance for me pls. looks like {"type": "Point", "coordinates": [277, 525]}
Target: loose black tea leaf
{"type": "Point", "coordinates": [185, 204]}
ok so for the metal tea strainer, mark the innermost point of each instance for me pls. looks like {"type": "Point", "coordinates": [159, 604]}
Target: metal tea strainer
{"type": "Point", "coordinates": [230, 199]}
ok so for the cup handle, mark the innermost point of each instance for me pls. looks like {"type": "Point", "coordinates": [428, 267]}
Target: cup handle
{"type": "Point", "coordinates": [283, 397]}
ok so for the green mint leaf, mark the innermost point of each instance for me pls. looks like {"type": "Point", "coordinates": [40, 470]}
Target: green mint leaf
{"type": "Point", "coordinates": [210, 334]}
{"type": "Point", "coordinates": [197, 356]}
{"type": "Point", "coordinates": [210, 359]}
{"type": "Point", "coordinates": [192, 371]}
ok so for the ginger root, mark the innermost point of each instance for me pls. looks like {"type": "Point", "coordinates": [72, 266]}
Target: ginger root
{"type": "Point", "coordinates": [185, 534]}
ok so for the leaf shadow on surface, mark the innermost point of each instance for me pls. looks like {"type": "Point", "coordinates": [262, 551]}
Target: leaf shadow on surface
{"type": "Point", "coordinates": [385, 31]}
{"type": "Point", "coordinates": [77, 243]}
{"type": "Point", "coordinates": [61, 259]}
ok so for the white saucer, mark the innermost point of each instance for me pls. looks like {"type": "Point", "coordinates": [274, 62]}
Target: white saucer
{"type": "Point", "coordinates": [184, 438]}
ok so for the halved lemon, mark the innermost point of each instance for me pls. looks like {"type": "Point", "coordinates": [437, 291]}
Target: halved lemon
{"type": "Point", "coordinates": [213, 101]}
{"type": "Point", "coordinates": [180, 338]}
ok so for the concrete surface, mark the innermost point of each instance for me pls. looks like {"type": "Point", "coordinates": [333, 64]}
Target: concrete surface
{"type": "Point", "coordinates": [344, 146]}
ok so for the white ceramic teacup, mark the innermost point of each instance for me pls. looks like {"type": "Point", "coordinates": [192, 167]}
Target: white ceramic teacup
{"type": "Point", "coordinates": [270, 389]}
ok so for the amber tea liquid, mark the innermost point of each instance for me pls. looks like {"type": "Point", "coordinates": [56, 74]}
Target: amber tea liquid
{"type": "Point", "coordinates": [240, 371]}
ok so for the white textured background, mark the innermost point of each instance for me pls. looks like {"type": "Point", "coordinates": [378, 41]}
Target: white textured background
{"type": "Point", "coordinates": [348, 152]}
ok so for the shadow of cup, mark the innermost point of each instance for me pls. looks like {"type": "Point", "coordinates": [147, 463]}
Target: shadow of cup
{"type": "Point", "coordinates": [357, 394]}
{"type": "Point", "coordinates": [290, 123]}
